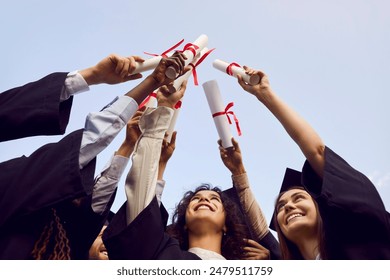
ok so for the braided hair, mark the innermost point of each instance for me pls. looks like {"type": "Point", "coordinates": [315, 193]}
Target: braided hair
{"type": "Point", "coordinates": [53, 243]}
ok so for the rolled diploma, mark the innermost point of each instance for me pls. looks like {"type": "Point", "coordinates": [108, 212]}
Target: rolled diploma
{"type": "Point", "coordinates": [201, 42]}
{"type": "Point", "coordinates": [148, 64]}
{"type": "Point", "coordinates": [176, 85]}
{"type": "Point", "coordinates": [216, 105]}
{"type": "Point", "coordinates": [250, 79]}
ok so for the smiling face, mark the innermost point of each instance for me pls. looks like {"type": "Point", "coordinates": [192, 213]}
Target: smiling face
{"type": "Point", "coordinates": [98, 251]}
{"type": "Point", "coordinates": [205, 212]}
{"type": "Point", "coordinates": [296, 214]}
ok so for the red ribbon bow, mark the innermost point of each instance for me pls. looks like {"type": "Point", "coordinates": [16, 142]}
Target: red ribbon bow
{"type": "Point", "coordinates": [229, 68]}
{"type": "Point", "coordinates": [196, 64]}
{"type": "Point", "coordinates": [153, 94]}
{"type": "Point", "coordinates": [227, 113]}
{"type": "Point", "coordinates": [164, 54]}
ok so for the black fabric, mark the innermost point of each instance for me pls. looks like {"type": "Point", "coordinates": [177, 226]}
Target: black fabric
{"type": "Point", "coordinates": [142, 239]}
{"type": "Point", "coordinates": [34, 109]}
{"type": "Point", "coordinates": [356, 223]}
{"type": "Point", "coordinates": [292, 178]}
{"type": "Point", "coordinates": [31, 186]}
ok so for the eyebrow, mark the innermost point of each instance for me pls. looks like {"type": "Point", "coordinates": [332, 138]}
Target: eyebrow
{"type": "Point", "coordinates": [292, 196]}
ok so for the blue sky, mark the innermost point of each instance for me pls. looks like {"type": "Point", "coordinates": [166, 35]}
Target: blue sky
{"type": "Point", "coordinates": [329, 60]}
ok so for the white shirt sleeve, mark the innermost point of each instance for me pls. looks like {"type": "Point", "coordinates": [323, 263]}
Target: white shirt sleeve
{"type": "Point", "coordinates": [102, 127]}
{"type": "Point", "coordinates": [142, 179]}
{"type": "Point", "coordinates": [74, 83]}
{"type": "Point", "coordinates": [159, 190]}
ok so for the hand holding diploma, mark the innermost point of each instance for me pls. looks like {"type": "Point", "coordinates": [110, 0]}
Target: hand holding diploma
{"type": "Point", "coordinates": [233, 69]}
{"type": "Point", "coordinates": [190, 51]}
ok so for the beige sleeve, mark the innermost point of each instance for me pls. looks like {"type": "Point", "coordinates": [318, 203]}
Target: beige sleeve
{"type": "Point", "coordinates": [142, 178]}
{"type": "Point", "coordinates": [252, 211]}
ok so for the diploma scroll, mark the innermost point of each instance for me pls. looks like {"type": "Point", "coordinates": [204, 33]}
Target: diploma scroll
{"type": "Point", "coordinates": [216, 105]}
{"type": "Point", "coordinates": [176, 86]}
{"type": "Point", "coordinates": [148, 64]}
{"type": "Point", "coordinates": [190, 51]}
{"type": "Point", "coordinates": [233, 69]}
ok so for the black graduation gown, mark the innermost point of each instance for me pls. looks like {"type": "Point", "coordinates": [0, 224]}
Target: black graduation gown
{"type": "Point", "coordinates": [31, 186]}
{"type": "Point", "coordinates": [356, 223]}
{"type": "Point", "coordinates": [34, 109]}
{"type": "Point", "coordinates": [144, 238]}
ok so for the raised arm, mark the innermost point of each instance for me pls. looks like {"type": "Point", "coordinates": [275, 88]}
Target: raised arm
{"type": "Point", "coordinates": [299, 130]}
{"type": "Point", "coordinates": [232, 159]}
{"type": "Point", "coordinates": [142, 178]}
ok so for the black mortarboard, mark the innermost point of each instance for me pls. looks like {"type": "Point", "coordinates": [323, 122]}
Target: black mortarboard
{"type": "Point", "coordinates": [291, 178]}
{"type": "Point", "coordinates": [109, 218]}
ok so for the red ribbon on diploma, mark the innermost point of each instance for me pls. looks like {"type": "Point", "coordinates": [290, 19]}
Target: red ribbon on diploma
{"type": "Point", "coordinates": [227, 113]}
{"type": "Point", "coordinates": [190, 47]}
{"type": "Point", "coordinates": [164, 54]}
{"type": "Point", "coordinates": [229, 68]}
{"type": "Point", "coordinates": [178, 104]}
{"type": "Point", "coordinates": [196, 64]}
{"type": "Point", "coordinates": [153, 94]}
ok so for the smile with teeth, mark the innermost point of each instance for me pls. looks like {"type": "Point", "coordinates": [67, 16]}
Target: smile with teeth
{"type": "Point", "coordinates": [293, 216]}
{"type": "Point", "coordinates": [203, 207]}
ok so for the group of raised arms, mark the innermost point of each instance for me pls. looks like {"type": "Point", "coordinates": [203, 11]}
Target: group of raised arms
{"type": "Point", "coordinates": [53, 207]}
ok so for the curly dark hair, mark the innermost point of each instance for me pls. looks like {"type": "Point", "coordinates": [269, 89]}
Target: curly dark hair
{"type": "Point", "coordinates": [232, 241]}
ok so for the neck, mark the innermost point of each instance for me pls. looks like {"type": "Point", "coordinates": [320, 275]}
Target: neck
{"type": "Point", "coordinates": [309, 248]}
{"type": "Point", "coordinates": [210, 242]}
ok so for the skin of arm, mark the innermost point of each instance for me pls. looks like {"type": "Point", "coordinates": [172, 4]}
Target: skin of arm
{"type": "Point", "coordinates": [167, 149]}
{"type": "Point", "coordinates": [299, 130]}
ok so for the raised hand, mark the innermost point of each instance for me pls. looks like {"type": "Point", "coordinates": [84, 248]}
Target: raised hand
{"type": "Point", "coordinates": [168, 99]}
{"type": "Point", "coordinates": [113, 69]}
{"type": "Point", "coordinates": [261, 89]}
{"type": "Point", "coordinates": [232, 158]}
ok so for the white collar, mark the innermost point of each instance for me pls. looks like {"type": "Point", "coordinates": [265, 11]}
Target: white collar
{"type": "Point", "coordinates": [206, 254]}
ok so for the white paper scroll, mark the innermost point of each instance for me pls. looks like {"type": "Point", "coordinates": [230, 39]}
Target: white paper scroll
{"type": "Point", "coordinates": [201, 43]}
{"type": "Point", "coordinates": [176, 86]}
{"type": "Point", "coordinates": [216, 105]}
{"type": "Point", "coordinates": [222, 66]}
{"type": "Point", "coordinates": [148, 64]}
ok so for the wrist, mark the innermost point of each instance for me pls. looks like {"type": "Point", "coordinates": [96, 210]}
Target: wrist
{"type": "Point", "coordinates": [125, 150]}
{"type": "Point", "coordinates": [89, 75]}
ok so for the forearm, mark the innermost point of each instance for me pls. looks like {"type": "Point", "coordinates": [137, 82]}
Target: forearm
{"type": "Point", "coordinates": [142, 178]}
{"type": "Point", "coordinates": [102, 127]}
{"type": "Point", "coordinates": [142, 90]}
{"type": "Point", "coordinates": [252, 211]}
{"type": "Point", "coordinates": [299, 130]}
{"type": "Point", "coordinates": [107, 183]}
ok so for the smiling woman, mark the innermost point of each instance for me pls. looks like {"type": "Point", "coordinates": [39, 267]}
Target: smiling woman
{"type": "Point", "coordinates": [207, 218]}
{"type": "Point", "coordinates": [330, 210]}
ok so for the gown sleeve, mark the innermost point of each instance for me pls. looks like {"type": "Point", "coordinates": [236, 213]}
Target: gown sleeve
{"type": "Point", "coordinates": [34, 109]}
{"type": "Point", "coordinates": [356, 223]}
{"type": "Point", "coordinates": [144, 238]}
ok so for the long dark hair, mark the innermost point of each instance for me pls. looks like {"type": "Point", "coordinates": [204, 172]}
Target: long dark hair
{"type": "Point", "coordinates": [232, 241]}
{"type": "Point", "coordinates": [53, 243]}
{"type": "Point", "coordinates": [288, 249]}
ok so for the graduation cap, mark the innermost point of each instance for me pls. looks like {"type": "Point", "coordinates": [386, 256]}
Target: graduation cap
{"type": "Point", "coordinates": [292, 178]}
{"type": "Point", "coordinates": [109, 218]}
